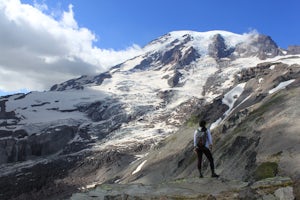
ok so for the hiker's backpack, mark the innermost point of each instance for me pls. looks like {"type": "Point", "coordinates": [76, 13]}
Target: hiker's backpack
{"type": "Point", "coordinates": [201, 137]}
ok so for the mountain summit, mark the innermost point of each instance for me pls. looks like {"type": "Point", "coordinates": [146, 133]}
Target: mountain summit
{"type": "Point", "coordinates": [134, 122]}
{"type": "Point", "coordinates": [179, 49]}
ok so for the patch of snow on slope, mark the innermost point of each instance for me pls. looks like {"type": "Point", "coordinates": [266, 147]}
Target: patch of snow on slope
{"type": "Point", "coordinates": [90, 186]}
{"type": "Point", "coordinates": [130, 64]}
{"type": "Point", "coordinates": [136, 132]}
{"type": "Point", "coordinates": [260, 81]}
{"type": "Point", "coordinates": [290, 60]}
{"type": "Point", "coordinates": [272, 67]}
{"type": "Point", "coordinates": [215, 124]}
{"type": "Point", "coordinates": [229, 100]}
{"type": "Point", "coordinates": [139, 168]}
{"type": "Point", "coordinates": [196, 78]}
{"type": "Point", "coordinates": [52, 107]}
{"type": "Point", "coordinates": [281, 86]}
{"type": "Point", "coordinates": [231, 97]}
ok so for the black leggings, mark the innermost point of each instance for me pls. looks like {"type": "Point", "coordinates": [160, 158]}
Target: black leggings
{"type": "Point", "coordinates": [206, 151]}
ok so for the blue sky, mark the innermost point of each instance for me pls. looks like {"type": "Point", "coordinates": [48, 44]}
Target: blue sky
{"type": "Point", "coordinates": [44, 42]}
{"type": "Point", "coordinates": [120, 23]}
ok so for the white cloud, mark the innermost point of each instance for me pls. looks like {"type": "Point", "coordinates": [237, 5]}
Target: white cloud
{"type": "Point", "coordinates": [38, 50]}
{"type": "Point", "coordinates": [68, 18]}
{"type": "Point", "coordinates": [41, 6]}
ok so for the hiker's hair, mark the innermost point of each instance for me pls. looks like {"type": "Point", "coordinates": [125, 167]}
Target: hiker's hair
{"type": "Point", "coordinates": [202, 123]}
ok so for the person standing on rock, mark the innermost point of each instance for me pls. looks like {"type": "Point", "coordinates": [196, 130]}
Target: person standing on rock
{"type": "Point", "coordinates": [203, 144]}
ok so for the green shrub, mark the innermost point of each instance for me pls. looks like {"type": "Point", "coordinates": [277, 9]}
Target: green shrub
{"type": "Point", "coordinates": [266, 170]}
{"type": "Point", "coordinates": [192, 121]}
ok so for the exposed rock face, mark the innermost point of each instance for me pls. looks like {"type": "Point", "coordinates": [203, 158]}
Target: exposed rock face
{"type": "Point", "coordinates": [18, 146]}
{"type": "Point", "coordinates": [166, 96]}
{"type": "Point", "coordinates": [79, 82]}
{"type": "Point", "coordinates": [174, 57]}
{"type": "Point", "coordinates": [212, 112]}
{"type": "Point", "coordinates": [259, 71]}
{"type": "Point", "coordinates": [173, 81]}
{"type": "Point", "coordinates": [34, 177]}
{"type": "Point", "coordinates": [295, 49]}
{"type": "Point", "coordinates": [190, 56]}
{"type": "Point", "coordinates": [218, 49]}
{"type": "Point", "coordinates": [147, 62]}
{"type": "Point", "coordinates": [4, 114]}
{"type": "Point", "coordinates": [261, 46]}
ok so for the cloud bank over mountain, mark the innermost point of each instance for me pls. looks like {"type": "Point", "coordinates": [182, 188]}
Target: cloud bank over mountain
{"type": "Point", "coordinates": [39, 49]}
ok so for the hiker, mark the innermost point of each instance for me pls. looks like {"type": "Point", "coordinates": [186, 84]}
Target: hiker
{"type": "Point", "coordinates": [203, 144]}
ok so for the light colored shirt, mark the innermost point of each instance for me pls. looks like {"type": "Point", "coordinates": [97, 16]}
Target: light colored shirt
{"type": "Point", "coordinates": [208, 139]}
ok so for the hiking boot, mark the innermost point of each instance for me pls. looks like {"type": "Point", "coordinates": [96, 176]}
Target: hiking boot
{"type": "Point", "coordinates": [214, 175]}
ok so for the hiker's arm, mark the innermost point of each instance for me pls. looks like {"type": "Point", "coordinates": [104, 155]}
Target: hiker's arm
{"type": "Point", "coordinates": [195, 142]}
{"type": "Point", "coordinates": [195, 139]}
{"type": "Point", "coordinates": [210, 142]}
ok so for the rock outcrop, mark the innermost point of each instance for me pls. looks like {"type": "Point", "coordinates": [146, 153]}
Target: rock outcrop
{"type": "Point", "coordinates": [294, 50]}
{"type": "Point", "coordinates": [218, 49]}
{"type": "Point", "coordinates": [195, 188]}
{"type": "Point", "coordinates": [79, 82]}
{"type": "Point", "coordinates": [260, 45]}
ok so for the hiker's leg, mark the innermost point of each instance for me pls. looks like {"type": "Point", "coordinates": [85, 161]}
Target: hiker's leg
{"type": "Point", "coordinates": [199, 154]}
{"type": "Point", "coordinates": [208, 154]}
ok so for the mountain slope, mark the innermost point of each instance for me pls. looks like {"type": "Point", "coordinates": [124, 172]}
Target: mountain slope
{"type": "Point", "coordinates": [257, 130]}
{"type": "Point", "coordinates": [104, 127]}
{"type": "Point", "coordinates": [169, 170]}
{"type": "Point", "coordinates": [264, 132]}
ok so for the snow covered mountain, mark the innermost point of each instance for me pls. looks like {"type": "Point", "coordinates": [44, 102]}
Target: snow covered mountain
{"type": "Point", "coordinates": [114, 116]}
